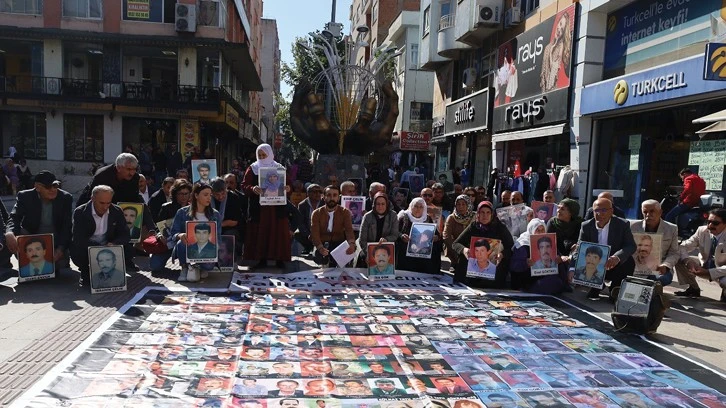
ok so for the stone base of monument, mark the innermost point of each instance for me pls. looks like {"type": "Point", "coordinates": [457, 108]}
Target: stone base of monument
{"type": "Point", "coordinates": [336, 168]}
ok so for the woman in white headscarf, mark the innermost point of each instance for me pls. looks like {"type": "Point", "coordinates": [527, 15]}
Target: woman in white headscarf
{"type": "Point", "coordinates": [267, 235]}
{"type": "Point", "coordinates": [521, 264]}
{"type": "Point", "coordinates": [415, 213]}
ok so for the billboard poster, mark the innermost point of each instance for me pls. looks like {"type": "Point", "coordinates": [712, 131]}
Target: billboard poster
{"type": "Point", "coordinates": [415, 141]}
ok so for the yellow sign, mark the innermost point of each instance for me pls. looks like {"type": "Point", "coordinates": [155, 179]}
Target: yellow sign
{"type": "Point", "coordinates": [231, 117]}
{"type": "Point", "coordinates": [620, 93]}
{"type": "Point", "coordinates": [189, 136]}
{"type": "Point", "coordinates": [137, 9]}
{"type": "Point", "coordinates": [43, 103]}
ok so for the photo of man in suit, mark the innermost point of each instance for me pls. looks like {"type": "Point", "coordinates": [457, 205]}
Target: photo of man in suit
{"type": "Point", "coordinates": [202, 248]}
{"type": "Point", "coordinates": [130, 214]}
{"type": "Point", "coordinates": [590, 270]}
{"type": "Point", "coordinates": [287, 388]}
{"type": "Point", "coordinates": [652, 223]}
{"type": "Point", "coordinates": [386, 387]}
{"type": "Point", "coordinates": [35, 249]}
{"type": "Point", "coordinates": [106, 275]}
{"type": "Point", "coordinates": [447, 385]}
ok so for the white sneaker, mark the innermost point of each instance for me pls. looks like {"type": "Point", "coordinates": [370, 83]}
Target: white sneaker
{"type": "Point", "coordinates": [193, 274]}
{"type": "Point", "coordinates": [204, 273]}
{"type": "Point", "coordinates": [183, 274]}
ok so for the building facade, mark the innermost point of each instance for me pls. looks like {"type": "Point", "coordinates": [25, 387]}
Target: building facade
{"type": "Point", "coordinates": [82, 81]}
{"type": "Point", "coordinates": [270, 77]}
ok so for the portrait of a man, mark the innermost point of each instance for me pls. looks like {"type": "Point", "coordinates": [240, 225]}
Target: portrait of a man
{"type": "Point", "coordinates": [203, 171]}
{"type": "Point", "coordinates": [107, 267]}
{"type": "Point", "coordinates": [543, 251]}
{"type": "Point", "coordinates": [202, 246]}
{"type": "Point", "coordinates": [590, 269]}
{"type": "Point", "coordinates": [381, 260]}
{"type": "Point", "coordinates": [133, 214]}
{"type": "Point", "coordinates": [32, 255]}
{"type": "Point", "coordinates": [479, 264]}
{"type": "Point", "coordinates": [648, 253]}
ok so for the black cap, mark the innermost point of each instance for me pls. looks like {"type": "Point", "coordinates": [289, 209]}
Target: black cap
{"type": "Point", "coordinates": [46, 178]}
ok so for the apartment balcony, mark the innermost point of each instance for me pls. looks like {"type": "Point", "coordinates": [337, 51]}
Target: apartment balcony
{"type": "Point", "coordinates": [447, 46]}
{"type": "Point", "coordinates": [478, 19]}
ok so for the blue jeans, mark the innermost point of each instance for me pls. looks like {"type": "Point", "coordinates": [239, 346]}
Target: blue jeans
{"type": "Point", "coordinates": [180, 251]}
{"type": "Point", "coordinates": [665, 279]}
{"type": "Point", "coordinates": [676, 211]}
{"type": "Point", "coordinates": [158, 261]}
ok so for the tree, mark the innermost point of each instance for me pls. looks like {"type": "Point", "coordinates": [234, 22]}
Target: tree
{"type": "Point", "coordinates": [304, 64]}
{"type": "Point", "coordinates": [291, 148]}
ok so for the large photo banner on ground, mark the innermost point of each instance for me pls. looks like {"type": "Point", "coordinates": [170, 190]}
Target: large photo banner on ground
{"type": "Point", "coordinates": [398, 351]}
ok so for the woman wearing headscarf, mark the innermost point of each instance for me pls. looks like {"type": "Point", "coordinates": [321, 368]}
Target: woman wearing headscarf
{"type": "Point", "coordinates": [379, 224]}
{"type": "Point", "coordinates": [267, 235]}
{"type": "Point", "coordinates": [455, 224]}
{"type": "Point", "coordinates": [521, 262]}
{"type": "Point", "coordinates": [272, 185]}
{"type": "Point", "coordinates": [566, 224]}
{"type": "Point", "coordinates": [416, 213]}
{"type": "Point", "coordinates": [486, 225]}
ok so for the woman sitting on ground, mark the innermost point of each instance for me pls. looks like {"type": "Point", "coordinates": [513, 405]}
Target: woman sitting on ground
{"type": "Point", "coordinates": [379, 225]}
{"type": "Point", "coordinates": [416, 213]}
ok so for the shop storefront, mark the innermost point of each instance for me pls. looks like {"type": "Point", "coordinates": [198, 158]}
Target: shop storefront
{"type": "Point", "coordinates": [644, 131]}
{"type": "Point", "coordinates": [466, 129]}
{"type": "Point", "coordinates": [532, 99]}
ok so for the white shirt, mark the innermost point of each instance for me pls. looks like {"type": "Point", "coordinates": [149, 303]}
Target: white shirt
{"type": "Point", "coordinates": [145, 196]}
{"type": "Point", "coordinates": [201, 217]}
{"type": "Point", "coordinates": [101, 223]}
{"type": "Point", "coordinates": [330, 220]}
{"type": "Point", "coordinates": [603, 233]}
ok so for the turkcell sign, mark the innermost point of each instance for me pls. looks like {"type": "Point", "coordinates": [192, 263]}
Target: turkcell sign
{"type": "Point", "coordinates": [468, 114]}
{"type": "Point", "coordinates": [671, 81]}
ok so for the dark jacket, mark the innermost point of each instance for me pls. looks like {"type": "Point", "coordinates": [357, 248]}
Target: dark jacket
{"type": "Point", "coordinates": [84, 227]}
{"type": "Point", "coordinates": [617, 211]}
{"type": "Point", "coordinates": [306, 212]}
{"type": "Point", "coordinates": [123, 191]}
{"type": "Point", "coordinates": [232, 209]}
{"type": "Point", "coordinates": [620, 237]}
{"type": "Point", "coordinates": [156, 201]}
{"type": "Point", "coordinates": [495, 230]}
{"type": "Point", "coordinates": [25, 216]}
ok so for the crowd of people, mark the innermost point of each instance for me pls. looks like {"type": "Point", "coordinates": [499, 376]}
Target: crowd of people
{"type": "Point", "coordinates": [318, 223]}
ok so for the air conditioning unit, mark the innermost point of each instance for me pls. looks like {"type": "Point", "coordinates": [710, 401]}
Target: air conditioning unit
{"type": "Point", "coordinates": [513, 17]}
{"type": "Point", "coordinates": [489, 12]}
{"type": "Point", "coordinates": [468, 79]}
{"type": "Point", "coordinates": [185, 18]}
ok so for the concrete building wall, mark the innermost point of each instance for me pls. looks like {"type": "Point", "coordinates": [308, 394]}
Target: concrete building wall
{"type": "Point", "coordinates": [270, 72]}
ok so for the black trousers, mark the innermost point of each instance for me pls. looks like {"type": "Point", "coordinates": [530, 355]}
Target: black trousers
{"type": "Point", "coordinates": [618, 273]}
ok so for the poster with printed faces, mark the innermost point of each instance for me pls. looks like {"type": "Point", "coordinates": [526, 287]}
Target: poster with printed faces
{"type": "Point", "coordinates": [513, 218]}
{"type": "Point", "coordinates": [133, 214]}
{"type": "Point", "coordinates": [203, 171]}
{"type": "Point", "coordinates": [590, 266]}
{"type": "Point", "coordinates": [483, 258]}
{"type": "Point", "coordinates": [357, 206]}
{"type": "Point", "coordinates": [272, 184]}
{"type": "Point", "coordinates": [107, 268]}
{"type": "Point", "coordinates": [381, 260]}
{"type": "Point", "coordinates": [35, 257]}
{"type": "Point", "coordinates": [201, 241]}
{"type": "Point", "coordinates": [225, 253]}
{"type": "Point", "coordinates": [421, 240]}
{"type": "Point", "coordinates": [648, 253]}
{"type": "Point", "coordinates": [416, 183]}
{"type": "Point", "coordinates": [544, 211]}
{"type": "Point", "coordinates": [542, 251]}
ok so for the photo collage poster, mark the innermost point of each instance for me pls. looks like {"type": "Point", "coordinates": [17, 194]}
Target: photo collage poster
{"type": "Point", "coordinates": [483, 258]}
{"type": "Point", "coordinates": [421, 240]}
{"type": "Point", "coordinates": [357, 207]}
{"type": "Point", "coordinates": [203, 171]}
{"type": "Point", "coordinates": [542, 251]}
{"type": "Point", "coordinates": [648, 253]}
{"type": "Point", "coordinates": [134, 216]}
{"type": "Point", "coordinates": [35, 257]}
{"type": "Point", "coordinates": [201, 241]}
{"type": "Point", "coordinates": [272, 182]}
{"type": "Point", "coordinates": [590, 266]}
{"type": "Point", "coordinates": [226, 253]}
{"type": "Point", "coordinates": [352, 351]}
{"type": "Point", "coordinates": [107, 267]}
{"type": "Point", "coordinates": [381, 260]}
{"type": "Point", "coordinates": [544, 211]}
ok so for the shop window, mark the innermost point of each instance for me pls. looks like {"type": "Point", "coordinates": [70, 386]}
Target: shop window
{"type": "Point", "coordinates": [414, 56]}
{"type": "Point", "coordinates": [26, 132]}
{"type": "Point", "coordinates": [530, 6]}
{"type": "Point", "coordinates": [22, 6]}
{"type": "Point", "coordinates": [141, 132]}
{"type": "Point", "coordinates": [82, 8]}
{"type": "Point", "coordinates": [83, 137]}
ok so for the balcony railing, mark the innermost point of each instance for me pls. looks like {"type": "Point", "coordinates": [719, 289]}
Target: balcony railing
{"type": "Point", "coordinates": [29, 86]}
{"type": "Point", "coordinates": [447, 21]}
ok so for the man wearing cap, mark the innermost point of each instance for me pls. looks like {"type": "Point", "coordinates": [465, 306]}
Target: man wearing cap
{"type": "Point", "coordinates": [44, 209]}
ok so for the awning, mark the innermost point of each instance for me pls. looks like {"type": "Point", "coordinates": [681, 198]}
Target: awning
{"type": "Point", "coordinates": [719, 126]}
{"type": "Point", "coordinates": [531, 133]}
{"type": "Point", "coordinates": [714, 117]}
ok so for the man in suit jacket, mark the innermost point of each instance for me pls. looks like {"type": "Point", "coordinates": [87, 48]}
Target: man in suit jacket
{"type": "Point", "coordinates": [286, 388]}
{"type": "Point", "coordinates": [98, 222]}
{"type": "Point", "coordinates": [617, 211]}
{"type": "Point", "coordinates": [652, 223]}
{"type": "Point", "coordinates": [386, 387]}
{"type": "Point", "coordinates": [333, 232]}
{"type": "Point", "coordinates": [605, 229]}
{"type": "Point", "coordinates": [202, 248]}
{"type": "Point", "coordinates": [160, 197]}
{"type": "Point", "coordinates": [449, 386]}
{"type": "Point", "coordinates": [306, 208]}
{"type": "Point", "coordinates": [229, 205]}
{"type": "Point", "coordinates": [130, 214]}
{"type": "Point", "coordinates": [35, 250]}
{"type": "Point", "coordinates": [710, 240]}
{"type": "Point", "coordinates": [43, 209]}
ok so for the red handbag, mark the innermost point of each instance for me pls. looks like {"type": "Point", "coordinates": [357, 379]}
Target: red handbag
{"type": "Point", "coordinates": [154, 246]}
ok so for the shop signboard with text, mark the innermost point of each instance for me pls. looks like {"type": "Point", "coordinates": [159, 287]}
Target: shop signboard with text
{"type": "Point", "coordinates": [533, 76]}
{"type": "Point", "coordinates": [415, 141]}
{"type": "Point", "coordinates": [468, 114]}
{"type": "Point", "coordinates": [143, 10]}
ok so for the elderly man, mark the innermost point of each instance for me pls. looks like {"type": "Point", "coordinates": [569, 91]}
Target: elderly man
{"type": "Point", "coordinates": [710, 241]}
{"type": "Point", "coordinates": [373, 189]}
{"type": "Point", "coordinates": [160, 197]}
{"type": "Point", "coordinates": [43, 209]}
{"type": "Point", "coordinates": [229, 205]}
{"type": "Point", "coordinates": [616, 210]}
{"type": "Point", "coordinates": [330, 226]}
{"type": "Point", "coordinates": [441, 199]}
{"type": "Point", "coordinates": [347, 188]}
{"type": "Point", "coordinates": [652, 223]}
{"type": "Point", "coordinates": [306, 208]}
{"type": "Point", "coordinates": [98, 222]}
{"type": "Point", "coordinates": [144, 189]}
{"type": "Point", "coordinates": [605, 229]}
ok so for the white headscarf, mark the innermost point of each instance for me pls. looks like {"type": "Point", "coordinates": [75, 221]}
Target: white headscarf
{"type": "Point", "coordinates": [531, 228]}
{"type": "Point", "coordinates": [409, 211]}
{"type": "Point", "coordinates": [268, 161]}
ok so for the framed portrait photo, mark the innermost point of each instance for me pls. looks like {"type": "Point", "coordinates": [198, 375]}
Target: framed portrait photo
{"type": "Point", "coordinates": [357, 206]}
{"type": "Point", "coordinates": [201, 241]}
{"type": "Point", "coordinates": [543, 250]}
{"type": "Point", "coordinates": [544, 211]}
{"type": "Point", "coordinates": [483, 255]}
{"type": "Point", "coordinates": [35, 257]}
{"type": "Point", "coordinates": [225, 253]}
{"type": "Point", "coordinates": [272, 183]}
{"type": "Point", "coordinates": [648, 253]}
{"type": "Point", "coordinates": [107, 268]}
{"type": "Point", "coordinates": [399, 197]}
{"type": "Point", "coordinates": [381, 260]}
{"type": "Point", "coordinates": [416, 183]}
{"type": "Point", "coordinates": [446, 178]}
{"type": "Point", "coordinates": [421, 242]}
{"type": "Point", "coordinates": [133, 214]}
{"type": "Point", "coordinates": [203, 171]}
{"type": "Point", "coordinates": [590, 266]}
